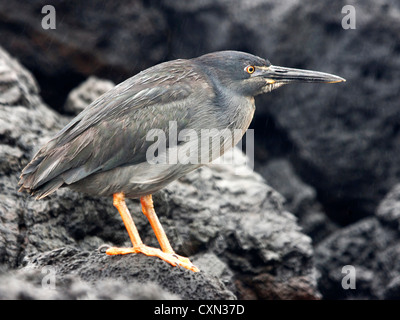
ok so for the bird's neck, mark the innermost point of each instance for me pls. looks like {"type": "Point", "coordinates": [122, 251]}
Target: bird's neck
{"type": "Point", "coordinates": [239, 112]}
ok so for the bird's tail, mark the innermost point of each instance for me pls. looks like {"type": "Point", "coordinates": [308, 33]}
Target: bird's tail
{"type": "Point", "coordinates": [32, 178]}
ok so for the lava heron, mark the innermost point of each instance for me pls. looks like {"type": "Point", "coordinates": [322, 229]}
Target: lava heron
{"type": "Point", "coordinates": [104, 151]}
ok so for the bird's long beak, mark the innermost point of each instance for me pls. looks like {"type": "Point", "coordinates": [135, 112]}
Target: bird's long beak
{"type": "Point", "coordinates": [277, 74]}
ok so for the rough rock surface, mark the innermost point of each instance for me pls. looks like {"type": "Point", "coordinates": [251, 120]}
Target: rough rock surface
{"type": "Point", "coordinates": [300, 198]}
{"type": "Point", "coordinates": [94, 267]}
{"type": "Point", "coordinates": [370, 245]}
{"type": "Point", "coordinates": [224, 217]}
{"type": "Point", "coordinates": [36, 283]}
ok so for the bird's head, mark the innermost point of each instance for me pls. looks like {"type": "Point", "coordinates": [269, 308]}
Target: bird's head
{"type": "Point", "coordinates": [249, 75]}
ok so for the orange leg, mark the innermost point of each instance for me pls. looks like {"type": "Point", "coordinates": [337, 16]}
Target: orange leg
{"type": "Point", "coordinates": [167, 254]}
{"type": "Point", "coordinates": [149, 212]}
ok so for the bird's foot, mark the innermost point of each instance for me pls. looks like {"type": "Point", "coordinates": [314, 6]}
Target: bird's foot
{"type": "Point", "coordinates": [171, 258]}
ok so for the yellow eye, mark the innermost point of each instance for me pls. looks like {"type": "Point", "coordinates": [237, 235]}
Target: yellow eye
{"type": "Point", "coordinates": [250, 69]}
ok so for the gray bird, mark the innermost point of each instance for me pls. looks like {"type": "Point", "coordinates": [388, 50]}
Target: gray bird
{"type": "Point", "coordinates": [105, 150]}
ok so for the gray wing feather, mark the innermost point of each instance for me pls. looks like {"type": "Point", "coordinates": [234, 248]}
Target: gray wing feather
{"type": "Point", "coordinates": [111, 132]}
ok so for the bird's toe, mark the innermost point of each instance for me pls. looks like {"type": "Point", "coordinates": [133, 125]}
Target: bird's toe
{"type": "Point", "coordinates": [172, 258]}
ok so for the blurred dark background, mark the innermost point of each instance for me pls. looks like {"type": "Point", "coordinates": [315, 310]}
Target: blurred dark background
{"type": "Point", "coordinates": [332, 150]}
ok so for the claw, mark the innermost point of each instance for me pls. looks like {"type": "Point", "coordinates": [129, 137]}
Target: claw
{"type": "Point", "coordinates": [103, 248]}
